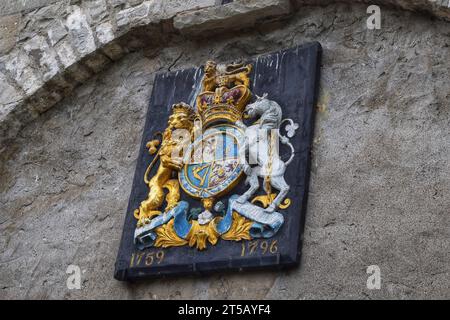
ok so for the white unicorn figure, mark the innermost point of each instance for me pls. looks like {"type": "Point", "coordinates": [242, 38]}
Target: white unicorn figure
{"type": "Point", "coordinates": [263, 134]}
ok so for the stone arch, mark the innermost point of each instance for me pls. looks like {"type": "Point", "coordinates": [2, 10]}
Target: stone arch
{"type": "Point", "coordinates": [49, 50]}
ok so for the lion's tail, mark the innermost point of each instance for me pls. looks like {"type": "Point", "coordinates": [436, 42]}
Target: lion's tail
{"type": "Point", "coordinates": [149, 168]}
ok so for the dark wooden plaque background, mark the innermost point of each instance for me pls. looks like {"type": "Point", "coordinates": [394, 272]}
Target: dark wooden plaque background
{"type": "Point", "coordinates": [291, 78]}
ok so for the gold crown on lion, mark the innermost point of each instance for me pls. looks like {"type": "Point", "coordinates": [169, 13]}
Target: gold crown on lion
{"type": "Point", "coordinates": [225, 92]}
{"type": "Point", "coordinates": [182, 108]}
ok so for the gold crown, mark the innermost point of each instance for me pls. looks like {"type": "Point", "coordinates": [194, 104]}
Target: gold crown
{"type": "Point", "coordinates": [225, 93]}
{"type": "Point", "coordinates": [182, 107]}
{"type": "Point", "coordinates": [228, 105]}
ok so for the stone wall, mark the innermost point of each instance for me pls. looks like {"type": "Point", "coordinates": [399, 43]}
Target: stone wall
{"type": "Point", "coordinates": [380, 176]}
{"type": "Point", "coordinates": [49, 47]}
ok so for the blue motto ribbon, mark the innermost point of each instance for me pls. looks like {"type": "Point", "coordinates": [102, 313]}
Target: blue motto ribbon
{"type": "Point", "coordinates": [145, 236]}
{"type": "Point", "coordinates": [265, 224]}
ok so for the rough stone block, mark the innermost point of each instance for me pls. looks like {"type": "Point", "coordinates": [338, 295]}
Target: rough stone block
{"type": "Point", "coordinates": [41, 20]}
{"type": "Point", "coordinates": [44, 55]}
{"type": "Point", "coordinates": [113, 51]}
{"type": "Point", "coordinates": [129, 3]}
{"type": "Point", "coordinates": [66, 53]}
{"type": "Point", "coordinates": [133, 3]}
{"type": "Point", "coordinates": [78, 73]}
{"type": "Point", "coordinates": [22, 70]}
{"type": "Point", "coordinates": [56, 32]}
{"type": "Point", "coordinates": [145, 13]}
{"type": "Point", "coordinates": [96, 9]}
{"type": "Point", "coordinates": [12, 119]}
{"type": "Point", "coordinates": [9, 29]}
{"type": "Point", "coordinates": [82, 35]}
{"type": "Point", "coordinates": [5, 111]}
{"type": "Point", "coordinates": [96, 62]}
{"type": "Point", "coordinates": [234, 15]}
{"type": "Point", "coordinates": [61, 84]}
{"type": "Point", "coordinates": [8, 94]}
{"type": "Point", "coordinates": [116, 3]}
{"type": "Point", "coordinates": [170, 8]}
{"type": "Point", "coordinates": [43, 100]}
{"type": "Point", "coordinates": [9, 7]}
{"type": "Point", "coordinates": [105, 33]}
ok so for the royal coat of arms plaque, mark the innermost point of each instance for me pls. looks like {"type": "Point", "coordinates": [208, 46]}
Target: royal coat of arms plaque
{"type": "Point", "coordinates": [222, 176]}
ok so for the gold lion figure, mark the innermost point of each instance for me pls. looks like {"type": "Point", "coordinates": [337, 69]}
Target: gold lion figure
{"type": "Point", "coordinates": [181, 118]}
{"type": "Point", "coordinates": [225, 76]}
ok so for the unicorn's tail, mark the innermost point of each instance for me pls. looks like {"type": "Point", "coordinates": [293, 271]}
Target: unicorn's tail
{"type": "Point", "coordinates": [290, 128]}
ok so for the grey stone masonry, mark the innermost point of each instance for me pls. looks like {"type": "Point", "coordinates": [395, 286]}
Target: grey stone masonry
{"type": "Point", "coordinates": [235, 15]}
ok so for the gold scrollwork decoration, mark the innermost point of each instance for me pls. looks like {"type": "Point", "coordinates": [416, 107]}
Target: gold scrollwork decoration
{"type": "Point", "coordinates": [239, 230]}
{"type": "Point", "coordinates": [199, 234]}
{"type": "Point", "coordinates": [167, 236]}
{"type": "Point", "coordinates": [265, 200]}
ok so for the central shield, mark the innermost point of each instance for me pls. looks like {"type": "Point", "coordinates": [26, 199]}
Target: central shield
{"type": "Point", "coordinates": [212, 166]}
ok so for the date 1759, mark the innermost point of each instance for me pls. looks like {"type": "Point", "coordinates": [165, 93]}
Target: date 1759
{"type": "Point", "coordinates": [146, 258]}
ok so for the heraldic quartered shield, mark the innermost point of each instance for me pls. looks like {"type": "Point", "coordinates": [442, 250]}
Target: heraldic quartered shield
{"type": "Point", "coordinates": [216, 175]}
{"type": "Point", "coordinates": [219, 169]}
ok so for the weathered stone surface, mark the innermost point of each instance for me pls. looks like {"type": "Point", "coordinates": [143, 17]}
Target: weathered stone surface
{"type": "Point", "coordinates": [379, 182]}
{"type": "Point", "coordinates": [39, 103]}
{"type": "Point", "coordinates": [8, 94]}
{"type": "Point", "coordinates": [145, 13]}
{"type": "Point", "coordinates": [172, 7]}
{"type": "Point", "coordinates": [82, 35]}
{"type": "Point", "coordinates": [56, 32]}
{"type": "Point", "coordinates": [105, 33]}
{"type": "Point", "coordinates": [97, 10]}
{"type": "Point", "coordinates": [22, 70]}
{"type": "Point", "coordinates": [9, 29]}
{"type": "Point", "coordinates": [10, 7]}
{"type": "Point", "coordinates": [237, 14]}
{"type": "Point", "coordinates": [66, 53]}
{"type": "Point", "coordinates": [440, 8]}
{"type": "Point", "coordinates": [79, 73]}
{"type": "Point", "coordinates": [38, 22]}
{"type": "Point", "coordinates": [96, 62]}
{"type": "Point", "coordinates": [116, 3]}
{"type": "Point", "coordinates": [113, 51]}
{"type": "Point", "coordinates": [44, 56]}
